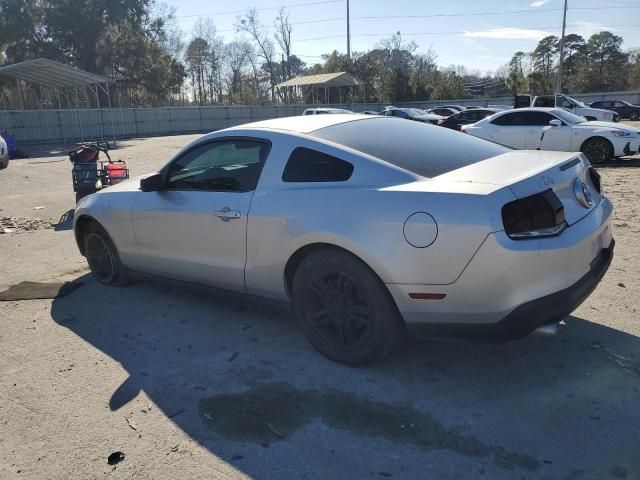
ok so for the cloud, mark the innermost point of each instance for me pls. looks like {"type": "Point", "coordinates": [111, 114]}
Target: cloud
{"type": "Point", "coordinates": [539, 3]}
{"type": "Point", "coordinates": [508, 33]}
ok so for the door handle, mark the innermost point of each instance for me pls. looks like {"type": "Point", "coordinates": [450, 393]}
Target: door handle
{"type": "Point", "coordinates": [227, 214]}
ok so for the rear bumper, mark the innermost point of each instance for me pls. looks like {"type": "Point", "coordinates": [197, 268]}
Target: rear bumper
{"type": "Point", "coordinates": [528, 317]}
{"type": "Point", "coordinates": [509, 287]}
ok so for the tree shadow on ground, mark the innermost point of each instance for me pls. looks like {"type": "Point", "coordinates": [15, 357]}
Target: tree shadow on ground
{"type": "Point", "coordinates": [236, 374]}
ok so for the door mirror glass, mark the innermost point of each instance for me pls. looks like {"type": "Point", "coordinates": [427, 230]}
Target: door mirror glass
{"type": "Point", "coordinates": [555, 123]}
{"type": "Point", "coordinates": [152, 183]}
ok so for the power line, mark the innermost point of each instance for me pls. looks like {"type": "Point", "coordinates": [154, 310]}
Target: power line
{"type": "Point", "coordinates": [458, 32]}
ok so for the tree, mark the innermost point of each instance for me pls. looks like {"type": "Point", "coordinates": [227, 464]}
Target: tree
{"type": "Point", "coordinates": [250, 24]}
{"type": "Point", "coordinates": [543, 61]}
{"type": "Point", "coordinates": [606, 62]}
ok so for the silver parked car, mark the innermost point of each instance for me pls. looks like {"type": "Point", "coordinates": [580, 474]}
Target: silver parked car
{"type": "Point", "coordinates": [4, 154]}
{"type": "Point", "coordinates": [367, 225]}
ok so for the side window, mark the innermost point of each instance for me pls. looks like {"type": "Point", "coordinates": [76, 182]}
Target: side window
{"type": "Point", "coordinates": [563, 102]}
{"type": "Point", "coordinates": [307, 165]}
{"type": "Point", "coordinates": [618, 104]}
{"type": "Point", "coordinates": [509, 119]}
{"type": "Point", "coordinates": [537, 118]}
{"type": "Point", "coordinates": [232, 166]}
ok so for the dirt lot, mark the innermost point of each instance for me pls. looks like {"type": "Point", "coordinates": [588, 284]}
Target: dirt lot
{"type": "Point", "coordinates": [194, 383]}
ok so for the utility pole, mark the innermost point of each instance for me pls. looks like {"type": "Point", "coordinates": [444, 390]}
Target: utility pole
{"type": "Point", "coordinates": [348, 35]}
{"type": "Point", "coordinates": [564, 25]}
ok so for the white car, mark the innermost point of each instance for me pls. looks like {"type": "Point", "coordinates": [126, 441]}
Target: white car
{"type": "Point", "coordinates": [325, 111]}
{"type": "Point", "coordinates": [367, 225]}
{"type": "Point", "coordinates": [4, 154]}
{"type": "Point", "coordinates": [523, 128]}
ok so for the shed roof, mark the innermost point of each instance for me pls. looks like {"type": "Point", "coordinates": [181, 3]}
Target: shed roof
{"type": "Point", "coordinates": [51, 74]}
{"type": "Point", "coordinates": [338, 79]}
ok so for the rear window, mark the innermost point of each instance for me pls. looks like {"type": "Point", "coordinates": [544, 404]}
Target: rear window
{"type": "Point", "coordinates": [420, 148]}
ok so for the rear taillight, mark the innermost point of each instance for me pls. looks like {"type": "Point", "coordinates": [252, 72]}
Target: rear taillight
{"type": "Point", "coordinates": [595, 179]}
{"type": "Point", "coordinates": [539, 215]}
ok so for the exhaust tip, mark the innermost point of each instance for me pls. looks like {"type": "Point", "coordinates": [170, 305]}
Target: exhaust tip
{"type": "Point", "coordinates": [547, 330]}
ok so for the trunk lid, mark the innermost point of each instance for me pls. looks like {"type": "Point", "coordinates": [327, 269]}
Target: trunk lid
{"type": "Point", "coordinates": [527, 172]}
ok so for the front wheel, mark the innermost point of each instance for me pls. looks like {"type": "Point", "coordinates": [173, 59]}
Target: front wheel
{"type": "Point", "coordinates": [598, 150]}
{"type": "Point", "coordinates": [344, 309]}
{"type": "Point", "coordinates": [102, 257]}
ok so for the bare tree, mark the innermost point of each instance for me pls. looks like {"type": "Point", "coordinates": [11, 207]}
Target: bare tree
{"type": "Point", "coordinates": [250, 24]}
{"type": "Point", "coordinates": [236, 54]}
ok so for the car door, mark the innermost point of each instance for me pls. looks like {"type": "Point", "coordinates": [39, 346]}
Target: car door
{"type": "Point", "coordinates": [508, 129]}
{"type": "Point", "coordinates": [535, 124]}
{"type": "Point", "coordinates": [195, 227]}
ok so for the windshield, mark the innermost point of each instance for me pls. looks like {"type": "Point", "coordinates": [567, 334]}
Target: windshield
{"type": "Point", "coordinates": [577, 102]}
{"type": "Point", "coordinates": [568, 117]}
{"type": "Point", "coordinates": [415, 112]}
{"type": "Point", "coordinates": [420, 148]}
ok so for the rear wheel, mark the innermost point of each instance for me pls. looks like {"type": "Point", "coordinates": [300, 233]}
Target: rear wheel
{"type": "Point", "coordinates": [598, 150]}
{"type": "Point", "coordinates": [102, 257]}
{"type": "Point", "coordinates": [344, 309]}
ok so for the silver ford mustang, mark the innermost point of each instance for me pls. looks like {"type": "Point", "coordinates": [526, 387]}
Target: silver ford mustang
{"type": "Point", "coordinates": [367, 225]}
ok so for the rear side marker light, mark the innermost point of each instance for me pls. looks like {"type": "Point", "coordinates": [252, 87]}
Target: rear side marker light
{"type": "Point", "coordinates": [427, 296]}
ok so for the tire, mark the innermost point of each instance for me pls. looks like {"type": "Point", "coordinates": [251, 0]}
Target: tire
{"type": "Point", "coordinates": [344, 309]}
{"type": "Point", "coordinates": [597, 150]}
{"type": "Point", "coordinates": [102, 257]}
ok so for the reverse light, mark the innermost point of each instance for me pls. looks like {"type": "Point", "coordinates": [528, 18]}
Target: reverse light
{"type": "Point", "coordinates": [539, 215]}
{"type": "Point", "coordinates": [621, 133]}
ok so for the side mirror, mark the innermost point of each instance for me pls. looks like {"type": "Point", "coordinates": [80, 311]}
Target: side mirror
{"type": "Point", "coordinates": [152, 183]}
{"type": "Point", "coordinates": [555, 123]}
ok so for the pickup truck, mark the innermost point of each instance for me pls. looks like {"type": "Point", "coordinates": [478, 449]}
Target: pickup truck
{"type": "Point", "coordinates": [565, 102]}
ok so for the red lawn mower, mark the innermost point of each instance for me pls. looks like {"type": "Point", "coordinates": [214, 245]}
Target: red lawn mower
{"type": "Point", "coordinates": [91, 174]}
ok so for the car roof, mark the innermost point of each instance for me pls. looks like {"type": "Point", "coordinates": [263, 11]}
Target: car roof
{"type": "Point", "coordinates": [303, 124]}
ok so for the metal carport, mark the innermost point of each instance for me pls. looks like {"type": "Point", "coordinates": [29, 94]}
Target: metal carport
{"type": "Point", "coordinates": [324, 80]}
{"type": "Point", "coordinates": [56, 75]}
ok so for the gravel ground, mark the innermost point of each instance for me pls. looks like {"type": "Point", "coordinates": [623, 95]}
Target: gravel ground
{"type": "Point", "coordinates": [190, 382]}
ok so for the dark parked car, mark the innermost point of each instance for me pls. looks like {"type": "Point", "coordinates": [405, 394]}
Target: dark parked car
{"type": "Point", "coordinates": [467, 117]}
{"type": "Point", "coordinates": [622, 108]}
{"type": "Point", "coordinates": [411, 114]}
{"type": "Point", "coordinates": [443, 111]}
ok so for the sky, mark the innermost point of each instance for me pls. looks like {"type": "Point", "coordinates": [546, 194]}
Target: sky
{"type": "Point", "coordinates": [481, 35]}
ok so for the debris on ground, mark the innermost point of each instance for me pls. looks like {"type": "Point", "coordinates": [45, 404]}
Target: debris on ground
{"type": "Point", "coordinates": [175, 448]}
{"type": "Point", "coordinates": [132, 423]}
{"type": "Point", "coordinates": [115, 458]}
{"type": "Point", "coordinates": [620, 284]}
{"type": "Point", "coordinates": [38, 290]}
{"type": "Point", "coordinates": [233, 357]}
{"type": "Point", "coordinates": [23, 224]}
{"type": "Point", "coordinates": [237, 457]}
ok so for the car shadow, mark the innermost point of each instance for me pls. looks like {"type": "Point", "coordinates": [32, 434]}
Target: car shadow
{"type": "Point", "coordinates": [65, 222]}
{"type": "Point", "coordinates": [236, 374]}
{"type": "Point", "coordinates": [623, 162]}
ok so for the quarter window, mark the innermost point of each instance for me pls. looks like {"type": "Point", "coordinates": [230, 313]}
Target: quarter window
{"type": "Point", "coordinates": [307, 165]}
{"type": "Point", "coordinates": [219, 166]}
